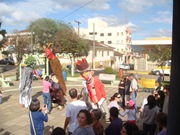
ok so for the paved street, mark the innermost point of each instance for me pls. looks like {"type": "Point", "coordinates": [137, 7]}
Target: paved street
{"type": "Point", "coordinates": [14, 119]}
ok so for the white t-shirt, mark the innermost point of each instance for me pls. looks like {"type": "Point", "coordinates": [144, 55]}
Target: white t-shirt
{"type": "Point", "coordinates": [144, 103]}
{"type": "Point", "coordinates": [72, 111]}
{"type": "Point", "coordinates": [133, 85]}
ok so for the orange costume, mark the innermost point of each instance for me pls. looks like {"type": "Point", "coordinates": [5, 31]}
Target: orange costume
{"type": "Point", "coordinates": [96, 92]}
{"type": "Point", "coordinates": [56, 68]}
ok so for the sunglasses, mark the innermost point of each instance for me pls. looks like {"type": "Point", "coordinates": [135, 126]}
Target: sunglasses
{"type": "Point", "coordinates": [118, 97]}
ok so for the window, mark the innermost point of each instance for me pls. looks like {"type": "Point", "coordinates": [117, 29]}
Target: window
{"type": "Point", "coordinates": [117, 33]}
{"type": "Point", "coordinates": [109, 34]}
{"type": "Point", "coordinates": [109, 42]}
{"type": "Point", "coordinates": [121, 33]}
{"type": "Point", "coordinates": [91, 33]}
{"type": "Point", "coordinates": [102, 34]}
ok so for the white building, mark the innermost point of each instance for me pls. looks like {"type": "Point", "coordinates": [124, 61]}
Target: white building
{"type": "Point", "coordinates": [118, 37]}
{"type": "Point", "coordinates": [147, 44]}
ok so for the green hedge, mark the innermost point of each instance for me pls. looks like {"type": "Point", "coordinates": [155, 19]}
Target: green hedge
{"type": "Point", "coordinates": [110, 70]}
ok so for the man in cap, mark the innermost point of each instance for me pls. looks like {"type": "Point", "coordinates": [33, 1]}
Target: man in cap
{"type": "Point", "coordinates": [96, 92]}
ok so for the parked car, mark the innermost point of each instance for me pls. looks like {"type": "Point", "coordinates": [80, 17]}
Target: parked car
{"type": "Point", "coordinates": [124, 66]}
{"type": "Point", "coordinates": [7, 61]}
{"type": "Point", "coordinates": [131, 66]}
{"type": "Point", "coordinates": [163, 68]}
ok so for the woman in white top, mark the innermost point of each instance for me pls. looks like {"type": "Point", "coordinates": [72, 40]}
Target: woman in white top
{"type": "Point", "coordinates": [114, 100]}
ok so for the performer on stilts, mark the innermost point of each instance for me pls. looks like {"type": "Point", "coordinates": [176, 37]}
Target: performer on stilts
{"type": "Point", "coordinates": [96, 92]}
{"type": "Point", "coordinates": [56, 67]}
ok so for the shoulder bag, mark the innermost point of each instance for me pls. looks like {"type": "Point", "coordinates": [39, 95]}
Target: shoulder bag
{"type": "Point", "coordinates": [32, 123]}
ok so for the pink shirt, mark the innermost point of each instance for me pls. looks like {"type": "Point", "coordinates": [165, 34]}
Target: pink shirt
{"type": "Point", "coordinates": [46, 86]}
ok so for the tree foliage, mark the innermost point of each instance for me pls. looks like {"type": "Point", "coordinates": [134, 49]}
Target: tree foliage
{"type": "Point", "coordinates": [69, 42]}
{"type": "Point", "coordinates": [44, 30]}
{"type": "Point", "coordinates": [22, 46]}
{"type": "Point", "coordinates": [160, 54]}
{"type": "Point", "coordinates": [3, 33]}
{"type": "Point", "coordinates": [62, 35]}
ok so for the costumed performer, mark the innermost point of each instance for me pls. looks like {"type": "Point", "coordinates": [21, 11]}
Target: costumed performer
{"type": "Point", "coordinates": [56, 67]}
{"type": "Point", "coordinates": [96, 92]}
{"type": "Point", "coordinates": [25, 88]}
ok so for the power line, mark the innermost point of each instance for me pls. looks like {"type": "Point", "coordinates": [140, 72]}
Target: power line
{"type": "Point", "coordinates": [77, 9]}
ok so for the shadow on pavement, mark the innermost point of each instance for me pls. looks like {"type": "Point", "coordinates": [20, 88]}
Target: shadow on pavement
{"type": "Point", "coordinates": [5, 132]}
{"type": "Point", "coordinates": [48, 130]}
{"type": "Point", "coordinates": [5, 68]}
{"type": "Point", "coordinates": [5, 99]}
{"type": "Point", "coordinates": [37, 95]}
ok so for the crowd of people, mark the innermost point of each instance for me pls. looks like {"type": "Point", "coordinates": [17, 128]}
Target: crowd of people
{"type": "Point", "coordinates": [82, 120]}
{"type": "Point", "coordinates": [84, 113]}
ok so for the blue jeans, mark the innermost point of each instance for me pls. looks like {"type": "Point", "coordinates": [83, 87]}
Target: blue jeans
{"type": "Point", "coordinates": [47, 100]}
{"type": "Point", "coordinates": [134, 98]}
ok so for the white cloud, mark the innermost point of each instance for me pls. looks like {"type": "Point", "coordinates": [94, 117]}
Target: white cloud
{"type": "Point", "coordinates": [139, 6]}
{"type": "Point", "coordinates": [88, 4]}
{"type": "Point", "coordinates": [161, 33]}
{"type": "Point", "coordinates": [24, 12]}
{"type": "Point", "coordinates": [134, 6]}
{"type": "Point", "coordinates": [14, 13]}
{"type": "Point", "coordinates": [132, 27]}
{"type": "Point", "coordinates": [161, 17]}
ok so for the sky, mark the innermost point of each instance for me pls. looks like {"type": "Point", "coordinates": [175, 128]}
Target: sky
{"type": "Point", "coordinates": [145, 18]}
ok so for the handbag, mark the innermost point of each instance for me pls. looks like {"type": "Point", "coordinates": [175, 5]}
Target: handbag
{"type": "Point", "coordinates": [32, 124]}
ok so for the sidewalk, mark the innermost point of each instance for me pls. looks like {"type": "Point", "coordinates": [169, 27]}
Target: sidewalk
{"type": "Point", "coordinates": [15, 121]}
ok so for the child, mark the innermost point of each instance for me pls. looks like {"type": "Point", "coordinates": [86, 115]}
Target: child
{"type": "Point", "coordinates": [97, 125]}
{"type": "Point", "coordinates": [46, 93]}
{"type": "Point", "coordinates": [37, 117]}
{"type": "Point", "coordinates": [1, 97]}
{"type": "Point", "coordinates": [130, 111]}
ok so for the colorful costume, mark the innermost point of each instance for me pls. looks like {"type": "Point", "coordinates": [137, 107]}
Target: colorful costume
{"type": "Point", "coordinates": [56, 68]}
{"type": "Point", "coordinates": [56, 93]}
{"type": "Point", "coordinates": [25, 88]}
{"type": "Point", "coordinates": [96, 92]}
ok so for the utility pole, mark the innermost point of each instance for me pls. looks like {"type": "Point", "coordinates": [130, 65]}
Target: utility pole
{"type": "Point", "coordinates": [1, 37]}
{"type": "Point", "coordinates": [78, 22]}
{"type": "Point", "coordinates": [93, 51]}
